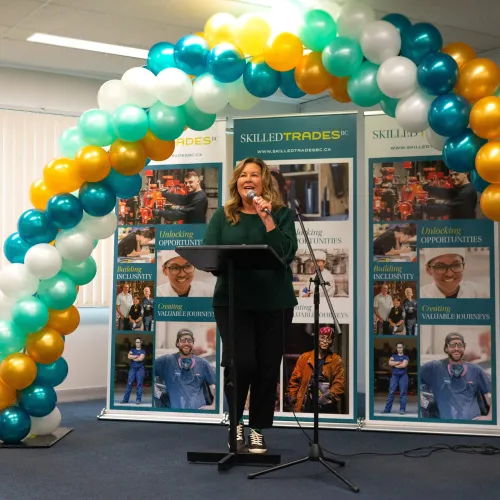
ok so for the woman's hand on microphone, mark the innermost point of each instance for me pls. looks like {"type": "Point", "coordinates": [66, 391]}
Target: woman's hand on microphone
{"type": "Point", "coordinates": [261, 204]}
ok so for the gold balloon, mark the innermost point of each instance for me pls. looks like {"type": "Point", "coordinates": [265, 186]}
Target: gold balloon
{"type": "Point", "coordinates": [155, 148]}
{"type": "Point", "coordinates": [8, 396]}
{"type": "Point", "coordinates": [310, 74]}
{"type": "Point", "coordinates": [338, 89]}
{"type": "Point", "coordinates": [18, 371]}
{"type": "Point", "coordinates": [40, 194]}
{"type": "Point", "coordinates": [284, 53]}
{"type": "Point", "coordinates": [127, 158]}
{"type": "Point", "coordinates": [65, 321]}
{"type": "Point", "coordinates": [485, 118]}
{"type": "Point", "coordinates": [92, 163]}
{"type": "Point", "coordinates": [490, 202]}
{"type": "Point", "coordinates": [488, 162]}
{"type": "Point", "coordinates": [61, 175]}
{"type": "Point", "coordinates": [461, 52]}
{"type": "Point", "coordinates": [251, 33]}
{"type": "Point", "coordinates": [45, 346]}
{"type": "Point", "coordinates": [218, 29]}
{"type": "Point", "coordinates": [478, 78]}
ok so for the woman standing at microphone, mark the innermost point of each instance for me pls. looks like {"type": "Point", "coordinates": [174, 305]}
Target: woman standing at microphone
{"type": "Point", "coordinates": [263, 300]}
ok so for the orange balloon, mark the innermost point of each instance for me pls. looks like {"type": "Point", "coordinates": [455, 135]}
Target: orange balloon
{"type": "Point", "coordinates": [284, 53]}
{"type": "Point", "coordinates": [65, 321]}
{"type": "Point", "coordinates": [461, 52]}
{"type": "Point", "coordinates": [485, 118]}
{"type": "Point", "coordinates": [61, 175]}
{"type": "Point", "coordinates": [490, 202]}
{"type": "Point", "coordinates": [155, 148]}
{"type": "Point", "coordinates": [478, 78]}
{"type": "Point", "coordinates": [488, 162]}
{"type": "Point", "coordinates": [92, 163]}
{"type": "Point", "coordinates": [8, 396]}
{"type": "Point", "coordinates": [310, 74]}
{"type": "Point", "coordinates": [18, 371]}
{"type": "Point", "coordinates": [338, 89]}
{"type": "Point", "coordinates": [45, 346]}
{"type": "Point", "coordinates": [40, 194]}
{"type": "Point", "coordinates": [127, 158]}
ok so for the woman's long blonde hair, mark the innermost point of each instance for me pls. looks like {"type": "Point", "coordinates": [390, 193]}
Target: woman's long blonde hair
{"type": "Point", "coordinates": [269, 193]}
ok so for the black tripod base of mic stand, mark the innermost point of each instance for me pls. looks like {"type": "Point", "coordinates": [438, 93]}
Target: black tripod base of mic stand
{"type": "Point", "coordinates": [226, 461]}
{"type": "Point", "coordinates": [315, 455]}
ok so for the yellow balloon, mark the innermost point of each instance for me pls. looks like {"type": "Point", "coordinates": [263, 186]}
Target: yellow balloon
{"type": "Point", "coordinates": [40, 194]}
{"type": "Point", "coordinates": [64, 321]}
{"type": "Point", "coordinates": [93, 163]}
{"type": "Point", "coordinates": [461, 52]}
{"type": "Point", "coordinates": [478, 78]}
{"type": "Point", "coordinates": [8, 396]}
{"type": "Point", "coordinates": [251, 34]}
{"type": "Point", "coordinates": [284, 53]}
{"type": "Point", "coordinates": [485, 118]}
{"type": "Point", "coordinates": [18, 371]}
{"type": "Point", "coordinates": [61, 175]}
{"type": "Point", "coordinates": [490, 202]}
{"type": "Point", "coordinates": [45, 346]}
{"type": "Point", "coordinates": [488, 162]}
{"type": "Point", "coordinates": [219, 29]}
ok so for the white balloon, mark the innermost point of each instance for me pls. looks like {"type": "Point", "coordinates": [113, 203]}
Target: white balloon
{"type": "Point", "coordinates": [16, 281]}
{"type": "Point", "coordinates": [139, 86]}
{"type": "Point", "coordinates": [5, 307]}
{"type": "Point", "coordinates": [173, 87]}
{"type": "Point", "coordinates": [239, 97]}
{"type": "Point", "coordinates": [209, 95]}
{"type": "Point", "coordinates": [412, 111]}
{"type": "Point", "coordinates": [111, 95]}
{"type": "Point", "coordinates": [43, 261]}
{"type": "Point", "coordinates": [380, 41]}
{"type": "Point", "coordinates": [353, 19]}
{"type": "Point", "coordinates": [74, 244]}
{"type": "Point", "coordinates": [397, 77]}
{"type": "Point", "coordinates": [435, 140]}
{"type": "Point", "coordinates": [43, 426]}
{"type": "Point", "coordinates": [99, 228]}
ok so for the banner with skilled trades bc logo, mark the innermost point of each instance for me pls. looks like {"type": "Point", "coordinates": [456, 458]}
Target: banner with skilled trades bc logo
{"type": "Point", "coordinates": [432, 293]}
{"type": "Point", "coordinates": [313, 158]}
{"type": "Point", "coordinates": [162, 305]}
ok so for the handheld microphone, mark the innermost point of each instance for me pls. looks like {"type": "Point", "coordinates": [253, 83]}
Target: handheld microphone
{"type": "Point", "coordinates": [251, 195]}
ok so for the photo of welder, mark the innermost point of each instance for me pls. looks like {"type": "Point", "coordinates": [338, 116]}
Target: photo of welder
{"type": "Point", "coordinates": [422, 190]}
{"type": "Point", "coordinates": [173, 196]}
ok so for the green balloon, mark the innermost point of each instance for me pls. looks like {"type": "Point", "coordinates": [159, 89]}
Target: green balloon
{"type": "Point", "coordinates": [196, 119]}
{"type": "Point", "coordinates": [58, 292]}
{"type": "Point", "coordinates": [71, 142]}
{"type": "Point", "coordinates": [12, 339]}
{"type": "Point", "coordinates": [30, 314]}
{"type": "Point", "coordinates": [166, 122]}
{"type": "Point", "coordinates": [80, 272]}
{"type": "Point", "coordinates": [362, 86]}
{"type": "Point", "coordinates": [131, 122]}
{"type": "Point", "coordinates": [96, 127]}
{"type": "Point", "coordinates": [317, 29]}
{"type": "Point", "coordinates": [388, 105]}
{"type": "Point", "coordinates": [342, 56]}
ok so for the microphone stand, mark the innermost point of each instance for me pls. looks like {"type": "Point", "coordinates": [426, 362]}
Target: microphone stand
{"type": "Point", "coordinates": [315, 451]}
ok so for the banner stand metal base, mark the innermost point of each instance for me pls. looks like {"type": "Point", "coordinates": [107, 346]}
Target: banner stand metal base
{"type": "Point", "coordinates": [227, 460]}
{"type": "Point", "coordinates": [41, 441]}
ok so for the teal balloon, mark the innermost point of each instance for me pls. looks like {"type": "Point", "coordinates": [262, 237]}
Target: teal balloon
{"type": "Point", "coordinates": [130, 123]}
{"type": "Point", "coordinates": [449, 115]}
{"type": "Point", "coordinates": [15, 425]}
{"type": "Point", "coordinates": [317, 29]}
{"type": "Point", "coordinates": [388, 105]}
{"type": "Point", "coordinates": [96, 127]}
{"type": "Point", "coordinates": [34, 226]}
{"type": "Point", "coordinates": [362, 86]}
{"type": "Point", "coordinates": [81, 273]}
{"type": "Point", "coordinates": [51, 375]}
{"type": "Point", "coordinates": [12, 338]}
{"type": "Point", "coordinates": [400, 22]}
{"type": "Point", "coordinates": [160, 57]}
{"type": "Point", "coordinates": [166, 122]}
{"type": "Point", "coordinates": [196, 119]}
{"type": "Point", "coordinates": [288, 85]}
{"type": "Point", "coordinates": [125, 186]}
{"type": "Point", "coordinates": [437, 73]}
{"type": "Point", "coordinates": [459, 152]}
{"type": "Point", "coordinates": [30, 314]}
{"type": "Point", "coordinates": [98, 198]}
{"type": "Point", "coordinates": [478, 182]}
{"type": "Point", "coordinates": [420, 40]}
{"type": "Point", "coordinates": [260, 79]}
{"type": "Point", "coordinates": [64, 210]}
{"type": "Point", "coordinates": [191, 54]}
{"type": "Point", "coordinates": [37, 400]}
{"type": "Point", "coordinates": [15, 248]}
{"type": "Point", "coordinates": [342, 56]}
{"type": "Point", "coordinates": [226, 63]}
{"type": "Point", "coordinates": [71, 142]}
{"type": "Point", "coordinates": [58, 292]}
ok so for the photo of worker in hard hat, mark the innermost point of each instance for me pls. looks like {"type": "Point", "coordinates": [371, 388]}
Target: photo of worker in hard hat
{"type": "Point", "coordinates": [394, 242]}
{"type": "Point", "coordinates": [455, 273]}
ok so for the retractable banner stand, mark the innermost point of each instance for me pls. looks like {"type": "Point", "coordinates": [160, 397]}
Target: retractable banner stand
{"type": "Point", "coordinates": [433, 293]}
{"type": "Point", "coordinates": [312, 158]}
{"type": "Point", "coordinates": [161, 304]}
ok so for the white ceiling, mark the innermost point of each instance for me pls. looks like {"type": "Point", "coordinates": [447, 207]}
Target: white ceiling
{"type": "Point", "coordinates": [142, 23]}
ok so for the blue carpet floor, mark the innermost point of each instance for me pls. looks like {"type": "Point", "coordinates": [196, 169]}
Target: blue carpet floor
{"type": "Point", "coordinates": [132, 460]}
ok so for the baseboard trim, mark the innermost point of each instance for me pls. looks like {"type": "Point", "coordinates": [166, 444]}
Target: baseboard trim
{"type": "Point", "coordinates": [86, 394]}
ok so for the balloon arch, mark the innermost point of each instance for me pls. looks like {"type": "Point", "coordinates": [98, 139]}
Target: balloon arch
{"type": "Point", "coordinates": [445, 92]}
